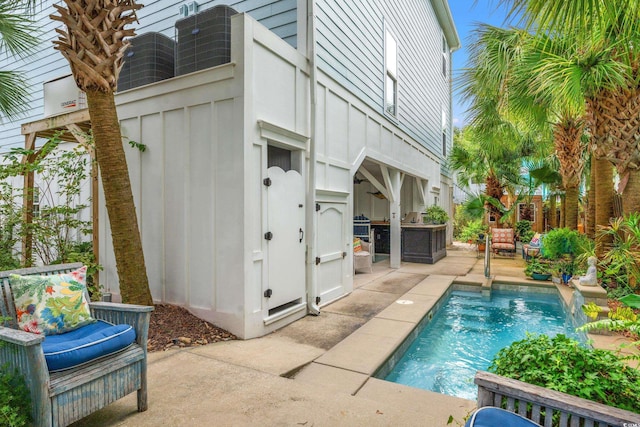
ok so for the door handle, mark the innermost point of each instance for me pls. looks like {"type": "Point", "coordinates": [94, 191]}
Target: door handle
{"type": "Point", "coordinates": [301, 235]}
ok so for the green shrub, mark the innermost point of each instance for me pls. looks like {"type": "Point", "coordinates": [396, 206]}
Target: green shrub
{"type": "Point", "coordinates": [435, 215]}
{"type": "Point", "coordinates": [15, 404]}
{"type": "Point", "coordinates": [564, 241]}
{"type": "Point", "coordinates": [472, 231]}
{"type": "Point", "coordinates": [523, 228]}
{"type": "Point", "coordinates": [562, 364]}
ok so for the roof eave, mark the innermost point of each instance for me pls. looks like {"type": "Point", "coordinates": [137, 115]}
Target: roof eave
{"type": "Point", "coordinates": [441, 7]}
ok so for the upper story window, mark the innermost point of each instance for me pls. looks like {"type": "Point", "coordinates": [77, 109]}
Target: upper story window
{"type": "Point", "coordinates": [445, 56]}
{"type": "Point", "coordinates": [391, 74]}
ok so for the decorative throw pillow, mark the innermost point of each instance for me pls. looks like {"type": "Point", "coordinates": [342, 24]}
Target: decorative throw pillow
{"type": "Point", "coordinates": [535, 241]}
{"type": "Point", "coordinates": [53, 304]}
{"type": "Point", "coordinates": [357, 245]}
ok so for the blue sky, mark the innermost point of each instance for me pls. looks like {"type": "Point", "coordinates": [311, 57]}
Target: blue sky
{"type": "Point", "coordinates": [466, 14]}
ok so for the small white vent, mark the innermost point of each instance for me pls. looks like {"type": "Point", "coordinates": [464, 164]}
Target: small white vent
{"type": "Point", "coordinates": [188, 9]}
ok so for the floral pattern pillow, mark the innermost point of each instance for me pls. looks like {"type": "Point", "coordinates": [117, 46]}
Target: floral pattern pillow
{"type": "Point", "coordinates": [53, 304]}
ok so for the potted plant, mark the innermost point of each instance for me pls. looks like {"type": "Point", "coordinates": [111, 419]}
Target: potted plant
{"type": "Point", "coordinates": [435, 215]}
{"type": "Point", "coordinates": [566, 268]}
{"type": "Point", "coordinates": [473, 232]}
{"type": "Point", "coordinates": [537, 269]}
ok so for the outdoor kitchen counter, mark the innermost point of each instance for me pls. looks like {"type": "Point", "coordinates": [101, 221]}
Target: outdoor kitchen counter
{"type": "Point", "coordinates": [421, 243]}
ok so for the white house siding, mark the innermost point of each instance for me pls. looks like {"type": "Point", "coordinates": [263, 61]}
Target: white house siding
{"type": "Point", "coordinates": [157, 15]}
{"type": "Point", "coordinates": [350, 49]}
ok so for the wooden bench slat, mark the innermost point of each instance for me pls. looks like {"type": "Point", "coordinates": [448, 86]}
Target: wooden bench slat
{"type": "Point", "coordinates": [69, 378]}
{"type": "Point", "coordinates": [562, 402]}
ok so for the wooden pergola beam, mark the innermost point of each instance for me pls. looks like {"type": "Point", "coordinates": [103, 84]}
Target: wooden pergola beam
{"type": "Point", "coordinates": [70, 127]}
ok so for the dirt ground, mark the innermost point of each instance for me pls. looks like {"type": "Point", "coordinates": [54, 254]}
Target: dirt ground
{"type": "Point", "coordinates": [173, 326]}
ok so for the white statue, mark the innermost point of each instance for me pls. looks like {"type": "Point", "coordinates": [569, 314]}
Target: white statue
{"type": "Point", "coordinates": [591, 278]}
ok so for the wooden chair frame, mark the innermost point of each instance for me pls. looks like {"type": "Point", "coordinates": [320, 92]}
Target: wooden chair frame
{"type": "Point", "coordinates": [59, 399]}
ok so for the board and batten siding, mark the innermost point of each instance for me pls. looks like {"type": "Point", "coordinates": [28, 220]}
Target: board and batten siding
{"type": "Point", "coordinates": [46, 64]}
{"type": "Point", "coordinates": [350, 49]}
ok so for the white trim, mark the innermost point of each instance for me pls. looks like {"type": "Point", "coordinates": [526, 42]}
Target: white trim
{"type": "Point", "coordinates": [284, 138]}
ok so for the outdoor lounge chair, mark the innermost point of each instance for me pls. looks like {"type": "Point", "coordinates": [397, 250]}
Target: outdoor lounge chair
{"type": "Point", "coordinates": [72, 374]}
{"type": "Point", "coordinates": [503, 240]}
{"type": "Point", "coordinates": [489, 416]}
{"type": "Point", "coordinates": [363, 258]}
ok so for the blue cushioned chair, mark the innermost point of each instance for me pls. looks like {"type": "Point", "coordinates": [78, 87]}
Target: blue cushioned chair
{"type": "Point", "coordinates": [496, 417]}
{"type": "Point", "coordinates": [71, 375]}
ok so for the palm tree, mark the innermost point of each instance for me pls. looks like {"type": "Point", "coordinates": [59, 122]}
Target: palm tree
{"type": "Point", "coordinates": [93, 43]}
{"type": "Point", "coordinates": [479, 158]}
{"type": "Point", "coordinates": [605, 31]}
{"type": "Point", "coordinates": [16, 38]}
{"type": "Point", "coordinates": [504, 69]}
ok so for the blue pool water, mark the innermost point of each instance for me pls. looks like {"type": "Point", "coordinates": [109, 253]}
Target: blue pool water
{"type": "Point", "coordinates": [468, 331]}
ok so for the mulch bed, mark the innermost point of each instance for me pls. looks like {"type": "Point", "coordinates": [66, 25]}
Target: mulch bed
{"type": "Point", "coordinates": [172, 326]}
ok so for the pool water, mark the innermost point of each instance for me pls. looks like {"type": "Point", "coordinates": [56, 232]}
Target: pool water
{"type": "Point", "coordinates": [468, 331]}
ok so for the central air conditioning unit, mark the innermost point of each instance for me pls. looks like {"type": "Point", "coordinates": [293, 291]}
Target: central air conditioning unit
{"type": "Point", "coordinates": [149, 58]}
{"type": "Point", "coordinates": [62, 95]}
{"type": "Point", "coordinates": [204, 40]}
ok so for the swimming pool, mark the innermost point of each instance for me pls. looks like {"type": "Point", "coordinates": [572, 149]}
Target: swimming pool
{"type": "Point", "coordinates": [468, 330]}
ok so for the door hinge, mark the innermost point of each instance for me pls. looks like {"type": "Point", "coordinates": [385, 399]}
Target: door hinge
{"type": "Point", "coordinates": [344, 254]}
{"type": "Point", "coordinates": [267, 182]}
{"type": "Point", "coordinates": [317, 207]}
{"type": "Point", "coordinates": [268, 235]}
{"type": "Point", "coordinates": [268, 293]}
{"type": "Point", "coordinates": [317, 260]}
{"type": "Point", "coordinates": [317, 300]}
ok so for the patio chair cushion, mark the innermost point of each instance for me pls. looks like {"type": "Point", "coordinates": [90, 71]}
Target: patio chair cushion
{"type": "Point", "coordinates": [85, 344]}
{"type": "Point", "coordinates": [489, 416]}
{"type": "Point", "coordinates": [52, 304]}
{"type": "Point", "coordinates": [357, 245]}
{"type": "Point", "coordinates": [505, 246]}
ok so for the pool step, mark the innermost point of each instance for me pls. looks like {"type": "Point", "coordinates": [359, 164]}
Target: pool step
{"type": "Point", "coordinates": [486, 287]}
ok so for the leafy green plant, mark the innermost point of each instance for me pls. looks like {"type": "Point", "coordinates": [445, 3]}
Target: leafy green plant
{"type": "Point", "coordinates": [58, 220]}
{"type": "Point", "coordinates": [620, 319]}
{"type": "Point", "coordinates": [472, 231]}
{"type": "Point", "coordinates": [15, 402]}
{"type": "Point", "coordinates": [621, 263]}
{"type": "Point", "coordinates": [535, 265]}
{"type": "Point", "coordinates": [523, 229]}
{"type": "Point", "coordinates": [563, 364]}
{"type": "Point", "coordinates": [435, 215]}
{"type": "Point", "coordinates": [632, 301]}
{"type": "Point", "coordinates": [526, 236]}
{"type": "Point", "coordinates": [559, 242]}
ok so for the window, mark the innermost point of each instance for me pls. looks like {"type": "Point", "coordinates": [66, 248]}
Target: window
{"type": "Point", "coordinates": [445, 55]}
{"type": "Point", "coordinates": [444, 143]}
{"type": "Point", "coordinates": [391, 75]}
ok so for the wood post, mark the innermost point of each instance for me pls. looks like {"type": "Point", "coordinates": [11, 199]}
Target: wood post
{"type": "Point", "coordinates": [27, 202]}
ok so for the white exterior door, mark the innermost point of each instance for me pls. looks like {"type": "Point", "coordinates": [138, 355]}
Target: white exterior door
{"type": "Point", "coordinates": [332, 251]}
{"type": "Point", "coordinates": [285, 235]}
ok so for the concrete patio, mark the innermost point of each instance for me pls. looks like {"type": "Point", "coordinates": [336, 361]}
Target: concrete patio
{"type": "Point", "coordinates": [317, 370]}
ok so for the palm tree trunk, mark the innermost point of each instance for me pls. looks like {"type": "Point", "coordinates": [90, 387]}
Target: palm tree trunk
{"type": "Point", "coordinates": [127, 245]}
{"type": "Point", "coordinates": [631, 193]}
{"type": "Point", "coordinates": [571, 208]}
{"type": "Point", "coordinates": [603, 172]}
{"type": "Point", "coordinates": [562, 210]}
{"type": "Point", "coordinates": [590, 228]}
{"type": "Point", "coordinates": [553, 211]}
